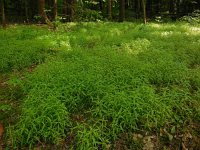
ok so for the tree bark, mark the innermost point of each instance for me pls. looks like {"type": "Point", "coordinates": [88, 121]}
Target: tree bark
{"type": "Point", "coordinates": [177, 8]}
{"type": "Point", "coordinates": [149, 8]}
{"type": "Point", "coordinates": [101, 5]}
{"type": "Point", "coordinates": [26, 11]}
{"type": "Point", "coordinates": [144, 11]}
{"type": "Point", "coordinates": [109, 9]}
{"type": "Point", "coordinates": [137, 8]}
{"type": "Point", "coordinates": [172, 9]}
{"type": "Point", "coordinates": [3, 14]}
{"type": "Point", "coordinates": [121, 11]}
{"type": "Point", "coordinates": [55, 11]}
{"type": "Point", "coordinates": [43, 13]}
{"type": "Point", "coordinates": [68, 9]}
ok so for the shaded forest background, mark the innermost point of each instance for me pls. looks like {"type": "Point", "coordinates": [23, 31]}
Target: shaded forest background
{"type": "Point", "coordinates": [29, 11]}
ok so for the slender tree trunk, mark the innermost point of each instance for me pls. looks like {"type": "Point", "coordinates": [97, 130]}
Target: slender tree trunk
{"type": "Point", "coordinates": [26, 10]}
{"type": "Point", "coordinates": [172, 9]}
{"type": "Point", "coordinates": [122, 10]}
{"type": "Point", "coordinates": [149, 8]}
{"type": "Point", "coordinates": [177, 8]}
{"type": "Point", "coordinates": [3, 14]}
{"type": "Point", "coordinates": [109, 9]}
{"type": "Point", "coordinates": [65, 7]}
{"type": "Point", "coordinates": [55, 11]}
{"type": "Point", "coordinates": [157, 7]}
{"type": "Point", "coordinates": [43, 13]}
{"type": "Point", "coordinates": [137, 8]}
{"type": "Point", "coordinates": [144, 11]}
{"type": "Point", "coordinates": [101, 5]}
{"type": "Point", "coordinates": [73, 8]}
{"type": "Point", "coordinates": [69, 12]}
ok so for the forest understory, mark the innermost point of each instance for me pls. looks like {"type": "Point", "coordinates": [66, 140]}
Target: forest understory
{"type": "Point", "coordinates": [103, 85]}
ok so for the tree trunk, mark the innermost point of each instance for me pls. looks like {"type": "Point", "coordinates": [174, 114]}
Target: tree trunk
{"type": "Point", "coordinates": [55, 11]}
{"type": "Point", "coordinates": [68, 9]}
{"type": "Point", "coordinates": [137, 8]}
{"type": "Point", "coordinates": [26, 11]}
{"type": "Point", "coordinates": [3, 14]}
{"type": "Point", "coordinates": [144, 11]}
{"type": "Point", "coordinates": [65, 7]}
{"type": "Point", "coordinates": [43, 13]}
{"type": "Point", "coordinates": [121, 11]}
{"type": "Point", "coordinates": [149, 8]}
{"type": "Point", "coordinates": [177, 8]}
{"type": "Point", "coordinates": [157, 8]}
{"type": "Point", "coordinates": [101, 5]}
{"type": "Point", "coordinates": [172, 9]}
{"type": "Point", "coordinates": [109, 9]}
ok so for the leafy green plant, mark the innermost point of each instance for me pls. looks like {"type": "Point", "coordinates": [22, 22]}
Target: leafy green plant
{"type": "Point", "coordinates": [194, 17]}
{"type": "Point", "coordinates": [88, 15]}
{"type": "Point", "coordinates": [118, 78]}
{"type": "Point", "coordinates": [47, 122]}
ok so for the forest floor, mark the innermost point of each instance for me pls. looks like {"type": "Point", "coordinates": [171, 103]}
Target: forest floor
{"type": "Point", "coordinates": [100, 86]}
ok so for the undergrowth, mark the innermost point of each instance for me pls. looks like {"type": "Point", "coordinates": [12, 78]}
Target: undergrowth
{"type": "Point", "coordinates": [115, 78]}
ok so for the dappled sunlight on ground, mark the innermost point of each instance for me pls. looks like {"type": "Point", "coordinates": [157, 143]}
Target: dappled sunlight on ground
{"type": "Point", "coordinates": [136, 46]}
{"type": "Point", "coordinates": [56, 42]}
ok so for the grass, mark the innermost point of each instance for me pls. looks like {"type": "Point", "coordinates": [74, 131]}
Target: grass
{"type": "Point", "coordinates": [100, 81]}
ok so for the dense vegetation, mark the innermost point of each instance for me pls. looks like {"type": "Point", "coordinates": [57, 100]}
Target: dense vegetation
{"type": "Point", "coordinates": [101, 86]}
{"type": "Point", "coordinates": [71, 77]}
{"type": "Point", "coordinates": [29, 11]}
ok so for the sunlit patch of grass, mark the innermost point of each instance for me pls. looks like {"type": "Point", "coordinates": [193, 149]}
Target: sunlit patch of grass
{"type": "Point", "coordinates": [136, 46]}
{"type": "Point", "coordinates": [27, 46]}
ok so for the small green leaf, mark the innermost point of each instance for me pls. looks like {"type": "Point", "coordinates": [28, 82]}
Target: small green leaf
{"type": "Point", "coordinates": [170, 137]}
{"type": "Point", "coordinates": [173, 130]}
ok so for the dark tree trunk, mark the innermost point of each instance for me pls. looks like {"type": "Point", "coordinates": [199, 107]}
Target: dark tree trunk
{"type": "Point", "coordinates": [122, 10]}
{"type": "Point", "coordinates": [144, 11]}
{"type": "Point", "coordinates": [149, 8]}
{"type": "Point", "coordinates": [126, 4]}
{"type": "Point", "coordinates": [68, 9]}
{"type": "Point", "coordinates": [110, 9]}
{"type": "Point", "coordinates": [55, 11]}
{"type": "Point", "coordinates": [172, 9]}
{"type": "Point", "coordinates": [43, 13]}
{"type": "Point", "coordinates": [3, 14]}
{"type": "Point", "coordinates": [157, 8]}
{"type": "Point", "coordinates": [177, 8]}
{"type": "Point", "coordinates": [101, 5]}
{"type": "Point", "coordinates": [65, 7]}
{"type": "Point", "coordinates": [26, 11]}
{"type": "Point", "coordinates": [137, 9]}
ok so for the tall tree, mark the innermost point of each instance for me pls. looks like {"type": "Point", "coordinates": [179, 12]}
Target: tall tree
{"type": "Point", "coordinates": [149, 8]}
{"type": "Point", "coordinates": [121, 10]}
{"type": "Point", "coordinates": [43, 13]}
{"type": "Point", "coordinates": [68, 9]}
{"type": "Point", "coordinates": [3, 14]}
{"type": "Point", "coordinates": [137, 8]}
{"type": "Point", "coordinates": [55, 11]}
{"type": "Point", "coordinates": [177, 8]}
{"type": "Point", "coordinates": [144, 11]}
{"type": "Point", "coordinates": [172, 9]}
{"type": "Point", "coordinates": [26, 10]}
{"type": "Point", "coordinates": [65, 7]}
{"type": "Point", "coordinates": [101, 5]}
{"type": "Point", "coordinates": [110, 9]}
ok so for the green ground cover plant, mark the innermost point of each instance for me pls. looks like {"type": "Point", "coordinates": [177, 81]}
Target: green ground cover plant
{"type": "Point", "coordinates": [102, 82]}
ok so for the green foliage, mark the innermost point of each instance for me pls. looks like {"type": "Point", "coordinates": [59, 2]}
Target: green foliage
{"type": "Point", "coordinates": [26, 46]}
{"type": "Point", "coordinates": [87, 15]}
{"type": "Point", "coordinates": [45, 123]}
{"type": "Point", "coordinates": [121, 78]}
{"type": "Point", "coordinates": [193, 18]}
